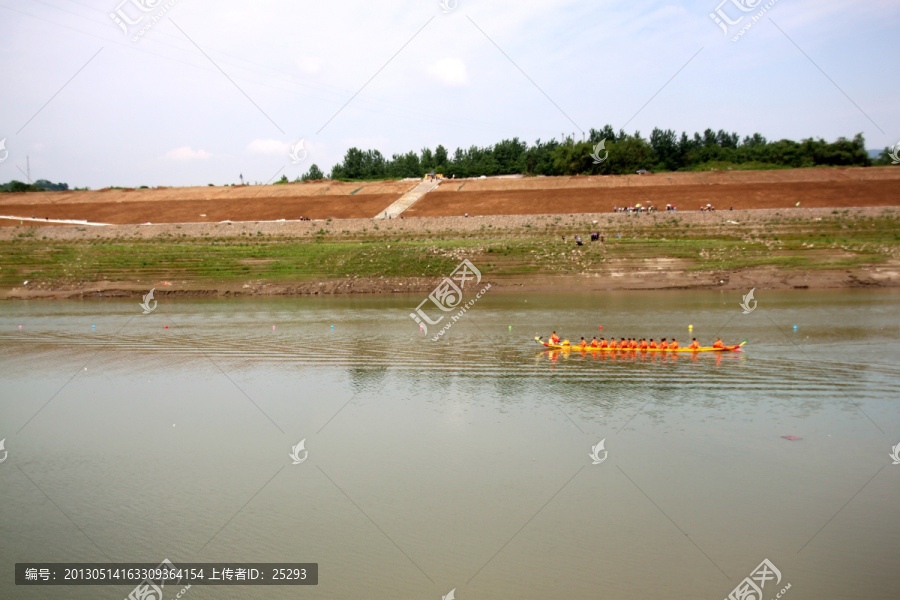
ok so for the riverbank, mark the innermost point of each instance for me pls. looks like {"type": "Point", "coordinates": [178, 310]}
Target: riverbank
{"type": "Point", "coordinates": [797, 248]}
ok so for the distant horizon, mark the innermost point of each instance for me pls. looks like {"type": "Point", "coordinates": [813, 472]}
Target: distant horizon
{"type": "Point", "coordinates": [873, 153]}
{"type": "Point", "coordinates": [508, 176]}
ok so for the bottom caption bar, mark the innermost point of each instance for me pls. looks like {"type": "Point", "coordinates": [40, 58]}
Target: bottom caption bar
{"type": "Point", "coordinates": [158, 576]}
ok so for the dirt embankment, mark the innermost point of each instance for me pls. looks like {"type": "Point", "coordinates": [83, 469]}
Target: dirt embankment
{"type": "Point", "coordinates": [812, 188]}
{"type": "Point", "coordinates": [822, 187]}
{"type": "Point", "coordinates": [313, 200]}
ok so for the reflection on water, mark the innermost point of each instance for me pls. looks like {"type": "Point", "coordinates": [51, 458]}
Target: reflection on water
{"type": "Point", "coordinates": [463, 463]}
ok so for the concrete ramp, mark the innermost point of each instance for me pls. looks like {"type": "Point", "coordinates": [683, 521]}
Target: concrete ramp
{"type": "Point", "coordinates": [408, 199]}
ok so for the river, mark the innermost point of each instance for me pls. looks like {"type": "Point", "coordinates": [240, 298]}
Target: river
{"type": "Point", "coordinates": [463, 464]}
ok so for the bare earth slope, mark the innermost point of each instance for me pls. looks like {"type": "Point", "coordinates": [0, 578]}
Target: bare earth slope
{"type": "Point", "coordinates": [314, 200]}
{"type": "Point", "coordinates": [823, 187]}
{"type": "Point", "coordinates": [838, 187]}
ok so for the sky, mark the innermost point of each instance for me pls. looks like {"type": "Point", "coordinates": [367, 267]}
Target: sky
{"type": "Point", "coordinates": [127, 93]}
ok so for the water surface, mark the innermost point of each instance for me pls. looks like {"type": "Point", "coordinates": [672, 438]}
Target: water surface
{"type": "Point", "coordinates": [459, 464]}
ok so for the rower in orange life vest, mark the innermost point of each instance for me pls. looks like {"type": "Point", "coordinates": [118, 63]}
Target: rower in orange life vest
{"type": "Point", "coordinates": [613, 343]}
{"type": "Point", "coordinates": [594, 343]}
{"type": "Point", "coordinates": [673, 345]}
{"type": "Point", "coordinates": [604, 343]}
{"type": "Point", "coordinates": [644, 345]}
{"type": "Point", "coordinates": [653, 345]}
{"type": "Point", "coordinates": [695, 345]}
{"type": "Point", "coordinates": [554, 339]}
{"type": "Point", "coordinates": [664, 345]}
{"type": "Point", "coordinates": [623, 344]}
{"type": "Point", "coordinates": [633, 344]}
{"type": "Point", "coordinates": [582, 344]}
{"type": "Point", "coordinates": [718, 344]}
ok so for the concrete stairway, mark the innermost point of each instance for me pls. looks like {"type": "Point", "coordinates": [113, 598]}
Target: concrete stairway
{"type": "Point", "coordinates": [408, 199]}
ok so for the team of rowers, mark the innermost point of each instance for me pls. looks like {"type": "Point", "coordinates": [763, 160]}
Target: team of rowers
{"type": "Point", "coordinates": [630, 344]}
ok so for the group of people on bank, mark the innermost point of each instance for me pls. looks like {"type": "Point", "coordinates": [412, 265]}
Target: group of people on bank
{"type": "Point", "coordinates": [630, 343]}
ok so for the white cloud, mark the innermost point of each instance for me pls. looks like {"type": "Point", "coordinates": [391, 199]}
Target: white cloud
{"type": "Point", "coordinates": [187, 153]}
{"type": "Point", "coordinates": [270, 147]}
{"type": "Point", "coordinates": [449, 71]}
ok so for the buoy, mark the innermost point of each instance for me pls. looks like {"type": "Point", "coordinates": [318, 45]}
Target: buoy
{"type": "Point", "coordinates": [510, 327]}
{"type": "Point", "coordinates": [93, 327]}
{"type": "Point", "coordinates": [20, 328]}
{"type": "Point", "coordinates": [795, 328]}
{"type": "Point", "coordinates": [167, 326]}
{"type": "Point", "coordinates": [690, 327]}
{"type": "Point", "coordinates": [332, 326]}
{"type": "Point", "coordinates": [273, 328]}
{"type": "Point", "coordinates": [601, 327]}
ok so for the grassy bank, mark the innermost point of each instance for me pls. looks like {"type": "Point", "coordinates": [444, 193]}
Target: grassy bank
{"type": "Point", "coordinates": [834, 241]}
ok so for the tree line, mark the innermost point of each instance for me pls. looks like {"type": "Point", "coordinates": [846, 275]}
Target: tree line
{"type": "Point", "coordinates": [606, 152]}
{"type": "Point", "coordinates": [41, 185]}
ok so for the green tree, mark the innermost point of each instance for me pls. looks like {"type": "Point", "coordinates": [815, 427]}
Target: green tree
{"type": "Point", "coordinates": [667, 153]}
{"type": "Point", "coordinates": [314, 173]}
{"type": "Point", "coordinates": [440, 157]}
{"type": "Point", "coordinates": [427, 160]}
